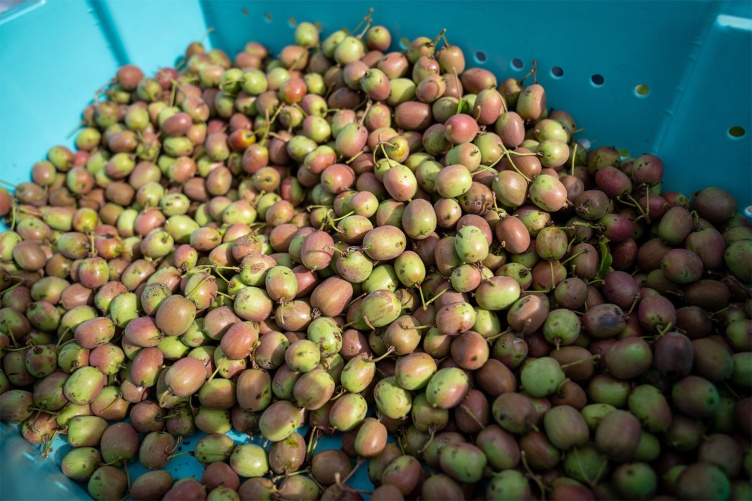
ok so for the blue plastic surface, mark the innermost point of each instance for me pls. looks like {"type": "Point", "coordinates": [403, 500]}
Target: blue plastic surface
{"type": "Point", "coordinates": [694, 57]}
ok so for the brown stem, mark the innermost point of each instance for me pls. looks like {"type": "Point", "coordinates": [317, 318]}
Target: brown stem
{"type": "Point", "coordinates": [388, 352]}
{"type": "Point", "coordinates": [368, 323]}
{"type": "Point", "coordinates": [570, 364]}
{"type": "Point", "coordinates": [532, 475]}
{"type": "Point", "coordinates": [473, 416]}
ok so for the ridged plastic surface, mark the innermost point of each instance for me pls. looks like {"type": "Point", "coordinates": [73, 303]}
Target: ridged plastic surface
{"type": "Point", "coordinates": [694, 57]}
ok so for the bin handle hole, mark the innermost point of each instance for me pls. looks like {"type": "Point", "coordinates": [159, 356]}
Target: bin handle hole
{"type": "Point", "coordinates": [642, 90]}
{"type": "Point", "coordinates": [597, 80]}
{"type": "Point", "coordinates": [557, 72]}
{"type": "Point", "coordinates": [517, 64]}
{"type": "Point", "coordinates": [268, 17]}
{"type": "Point", "coordinates": [737, 132]}
{"type": "Point", "coordinates": [480, 56]}
{"type": "Point", "coordinates": [292, 21]}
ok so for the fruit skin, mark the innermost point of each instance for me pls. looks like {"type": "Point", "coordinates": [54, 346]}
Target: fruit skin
{"type": "Point", "coordinates": [393, 401]}
{"type": "Point", "coordinates": [107, 482]}
{"type": "Point", "coordinates": [715, 204]}
{"type": "Point", "coordinates": [447, 388]}
{"type": "Point", "coordinates": [371, 438]}
{"type": "Point", "coordinates": [573, 432]}
{"type": "Point", "coordinates": [463, 462]}
{"type": "Point", "coordinates": [542, 376]}
{"type": "Point", "coordinates": [618, 435]}
{"type": "Point", "coordinates": [702, 481]}
{"type": "Point", "coordinates": [508, 484]}
{"type": "Point", "coordinates": [79, 464]}
{"type": "Point", "coordinates": [695, 396]}
{"type": "Point", "coordinates": [151, 485]}
{"type": "Point", "coordinates": [249, 460]}
{"type": "Point", "coordinates": [282, 414]}
{"type": "Point", "coordinates": [650, 406]}
{"type": "Point", "coordinates": [737, 258]}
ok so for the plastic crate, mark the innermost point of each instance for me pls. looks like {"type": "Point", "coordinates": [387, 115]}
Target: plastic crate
{"type": "Point", "coordinates": [671, 78]}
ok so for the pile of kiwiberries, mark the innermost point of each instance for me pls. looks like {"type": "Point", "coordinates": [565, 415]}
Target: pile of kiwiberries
{"type": "Point", "coordinates": [384, 245]}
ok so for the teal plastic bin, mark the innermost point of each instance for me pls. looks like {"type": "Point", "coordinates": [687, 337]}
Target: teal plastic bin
{"type": "Point", "coordinates": [671, 78]}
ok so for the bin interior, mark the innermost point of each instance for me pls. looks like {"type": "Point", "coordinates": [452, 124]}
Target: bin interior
{"type": "Point", "coordinates": [693, 58]}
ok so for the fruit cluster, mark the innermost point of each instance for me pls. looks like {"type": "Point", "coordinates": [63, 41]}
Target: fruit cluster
{"type": "Point", "coordinates": [381, 244]}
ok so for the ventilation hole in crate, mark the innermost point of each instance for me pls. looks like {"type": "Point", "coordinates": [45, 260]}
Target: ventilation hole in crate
{"type": "Point", "coordinates": [480, 57]}
{"type": "Point", "coordinates": [624, 153]}
{"type": "Point", "coordinates": [292, 21]}
{"type": "Point", "coordinates": [517, 64]}
{"type": "Point", "coordinates": [642, 90]}
{"type": "Point", "coordinates": [736, 132]}
{"type": "Point", "coordinates": [268, 17]}
{"type": "Point", "coordinates": [597, 80]}
{"type": "Point", "coordinates": [404, 43]}
{"type": "Point", "coordinates": [557, 72]}
{"type": "Point", "coordinates": [748, 211]}
{"type": "Point", "coordinates": [244, 11]}
{"type": "Point", "coordinates": [318, 25]}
